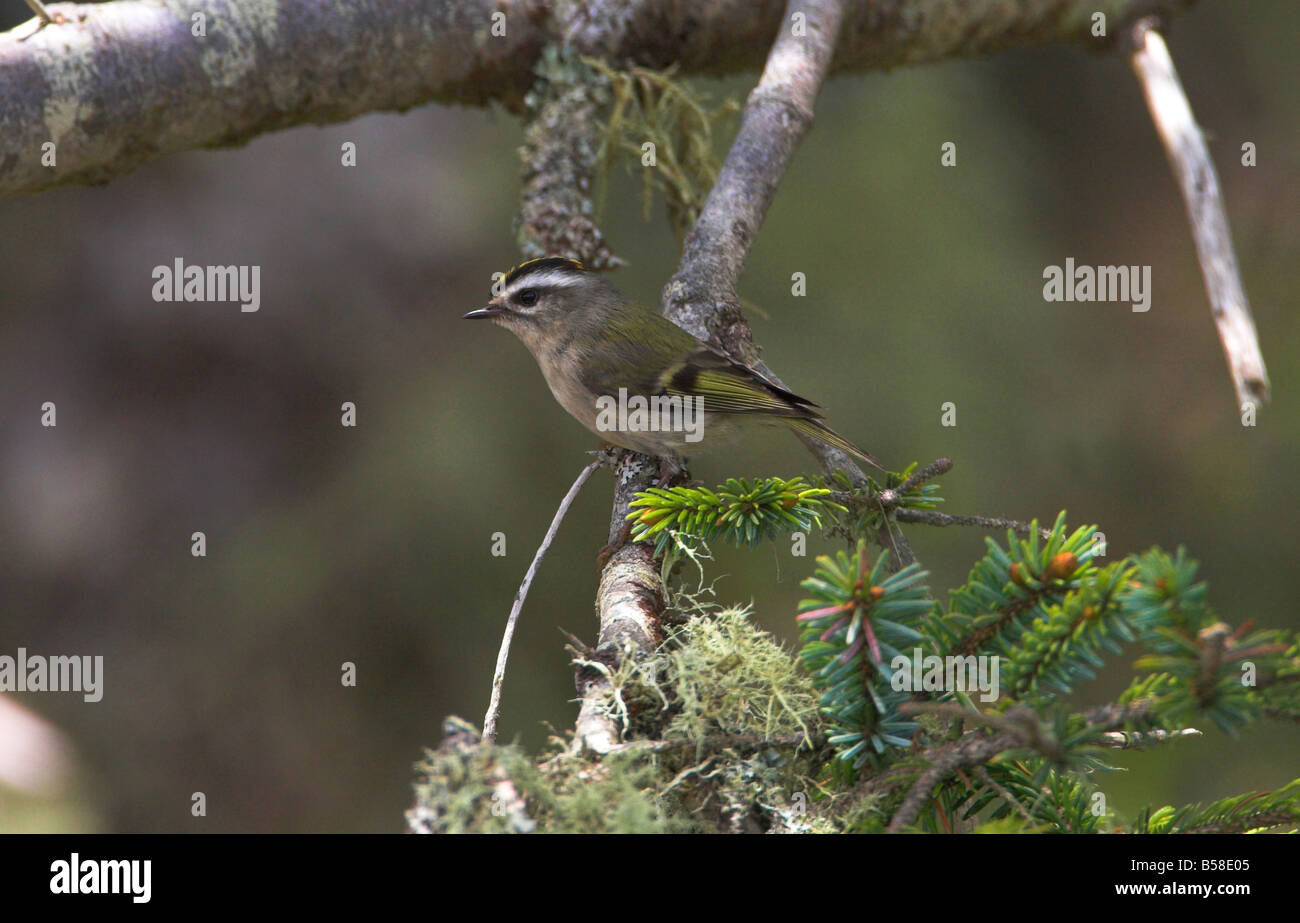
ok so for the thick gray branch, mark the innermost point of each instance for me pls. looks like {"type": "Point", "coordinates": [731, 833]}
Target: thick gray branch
{"type": "Point", "coordinates": [778, 114]}
{"type": "Point", "coordinates": [123, 83]}
{"type": "Point", "coordinates": [701, 296]}
{"type": "Point", "coordinates": [629, 603]}
{"type": "Point", "coordinates": [120, 84]}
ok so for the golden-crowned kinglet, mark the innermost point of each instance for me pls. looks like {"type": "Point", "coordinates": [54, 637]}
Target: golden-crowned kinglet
{"type": "Point", "coordinates": [631, 375]}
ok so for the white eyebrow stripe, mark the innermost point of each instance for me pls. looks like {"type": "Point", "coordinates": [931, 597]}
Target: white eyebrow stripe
{"type": "Point", "coordinates": [546, 278]}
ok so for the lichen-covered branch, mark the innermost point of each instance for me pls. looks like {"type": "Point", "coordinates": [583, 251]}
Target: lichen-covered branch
{"type": "Point", "coordinates": [700, 296]}
{"type": "Point", "coordinates": [120, 84]}
{"type": "Point", "coordinates": [629, 604]}
{"type": "Point", "coordinates": [561, 141]}
{"type": "Point", "coordinates": [116, 85]}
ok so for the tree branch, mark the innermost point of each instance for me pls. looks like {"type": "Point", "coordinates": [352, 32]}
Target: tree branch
{"type": "Point", "coordinates": [124, 83]}
{"type": "Point", "coordinates": [700, 298]}
{"type": "Point", "coordinates": [42, 13]}
{"type": "Point", "coordinates": [561, 141]}
{"type": "Point", "coordinates": [935, 518]}
{"type": "Point", "coordinates": [116, 85]}
{"type": "Point", "coordinates": [1014, 732]}
{"type": "Point", "coordinates": [1190, 159]}
{"type": "Point", "coordinates": [631, 602]}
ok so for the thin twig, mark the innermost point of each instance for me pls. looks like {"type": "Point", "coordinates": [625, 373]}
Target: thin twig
{"type": "Point", "coordinates": [714, 743]}
{"type": "Point", "coordinates": [1190, 159]}
{"type": "Point", "coordinates": [934, 518]}
{"type": "Point", "coordinates": [498, 677]}
{"type": "Point", "coordinates": [1213, 641]}
{"type": "Point", "coordinates": [937, 468]}
{"type": "Point", "coordinates": [982, 773]}
{"type": "Point", "coordinates": [39, 9]}
{"type": "Point", "coordinates": [892, 499]}
{"type": "Point", "coordinates": [1140, 740]}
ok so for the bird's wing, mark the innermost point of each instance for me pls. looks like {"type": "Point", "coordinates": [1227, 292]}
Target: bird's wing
{"type": "Point", "coordinates": [728, 387]}
{"type": "Point", "coordinates": [626, 357]}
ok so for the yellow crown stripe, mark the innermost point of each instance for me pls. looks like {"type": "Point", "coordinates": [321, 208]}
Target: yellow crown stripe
{"type": "Point", "coordinates": [572, 264]}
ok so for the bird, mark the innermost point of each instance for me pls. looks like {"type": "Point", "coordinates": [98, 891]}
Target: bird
{"type": "Point", "coordinates": [632, 376]}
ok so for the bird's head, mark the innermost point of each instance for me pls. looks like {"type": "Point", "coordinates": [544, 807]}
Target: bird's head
{"type": "Point", "coordinates": [547, 301]}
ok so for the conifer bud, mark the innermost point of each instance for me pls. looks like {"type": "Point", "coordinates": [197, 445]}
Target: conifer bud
{"type": "Point", "coordinates": [1062, 566]}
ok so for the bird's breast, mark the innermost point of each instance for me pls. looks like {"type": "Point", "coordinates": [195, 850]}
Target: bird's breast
{"type": "Point", "coordinates": [567, 388]}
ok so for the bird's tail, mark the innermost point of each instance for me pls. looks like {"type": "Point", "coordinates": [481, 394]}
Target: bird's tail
{"type": "Point", "coordinates": [823, 433]}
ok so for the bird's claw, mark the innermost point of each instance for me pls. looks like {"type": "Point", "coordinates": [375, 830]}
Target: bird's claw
{"type": "Point", "coordinates": [603, 556]}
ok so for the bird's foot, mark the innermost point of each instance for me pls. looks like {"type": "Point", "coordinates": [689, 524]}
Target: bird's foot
{"type": "Point", "coordinates": [672, 469]}
{"type": "Point", "coordinates": [669, 470]}
{"type": "Point", "coordinates": [603, 556]}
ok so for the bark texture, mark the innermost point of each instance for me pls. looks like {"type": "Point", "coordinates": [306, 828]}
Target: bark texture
{"type": "Point", "coordinates": [119, 84]}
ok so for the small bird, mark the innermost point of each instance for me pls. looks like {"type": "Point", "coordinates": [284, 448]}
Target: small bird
{"type": "Point", "coordinates": [632, 376]}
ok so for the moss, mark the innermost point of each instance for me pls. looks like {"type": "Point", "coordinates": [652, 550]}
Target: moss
{"type": "Point", "coordinates": [620, 795]}
{"type": "Point", "coordinates": [846, 814]}
{"type": "Point", "coordinates": [583, 118]}
{"type": "Point", "coordinates": [721, 724]}
{"type": "Point", "coordinates": [467, 786]}
{"type": "Point", "coordinates": [728, 677]}
{"type": "Point", "coordinates": [652, 107]}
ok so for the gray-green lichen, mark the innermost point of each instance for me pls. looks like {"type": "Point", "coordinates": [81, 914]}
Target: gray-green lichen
{"type": "Point", "coordinates": [561, 141]}
{"type": "Point", "coordinates": [585, 117]}
{"type": "Point", "coordinates": [722, 735]}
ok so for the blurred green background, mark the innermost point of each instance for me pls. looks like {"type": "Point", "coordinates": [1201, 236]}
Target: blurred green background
{"type": "Point", "coordinates": [372, 545]}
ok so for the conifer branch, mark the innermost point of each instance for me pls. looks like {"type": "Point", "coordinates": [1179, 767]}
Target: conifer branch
{"type": "Point", "coordinates": [1141, 740]}
{"type": "Point", "coordinates": [1015, 733]}
{"type": "Point", "coordinates": [1238, 814]}
{"type": "Point", "coordinates": [742, 511]}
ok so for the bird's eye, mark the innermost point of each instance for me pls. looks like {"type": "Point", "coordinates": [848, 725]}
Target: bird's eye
{"type": "Point", "coordinates": [527, 298]}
